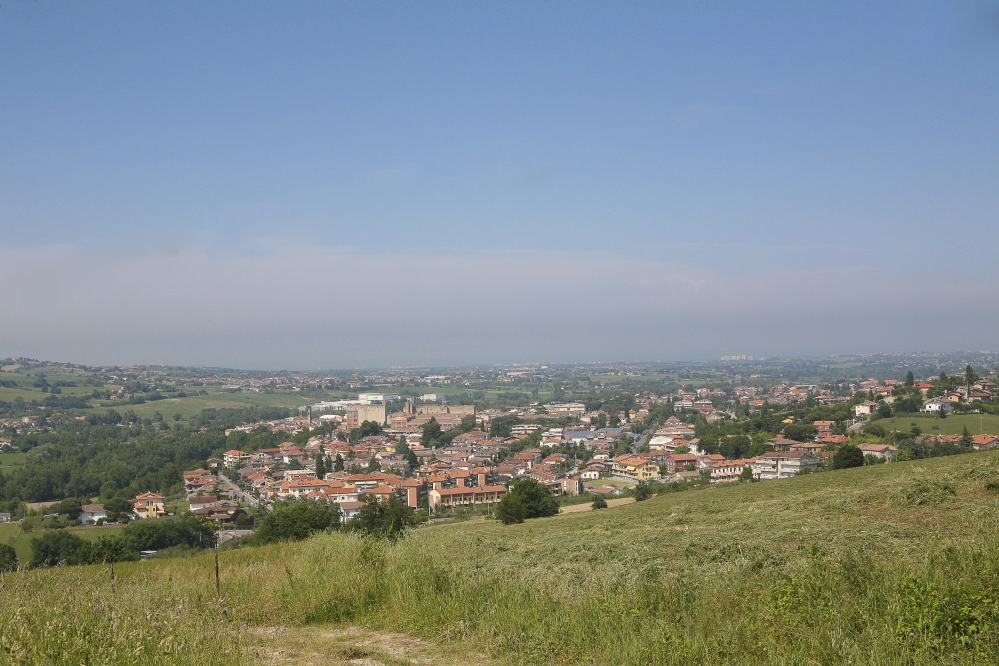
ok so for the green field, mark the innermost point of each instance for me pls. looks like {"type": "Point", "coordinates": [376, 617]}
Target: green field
{"type": "Point", "coordinates": [12, 458]}
{"type": "Point", "coordinates": [887, 564]}
{"type": "Point", "coordinates": [952, 425]}
{"type": "Point", "coordinates": [22, 541]}
{"type": "Point", "coordinates": [609, 482]}
{"type": "Point", "coordinates": [191, 405]}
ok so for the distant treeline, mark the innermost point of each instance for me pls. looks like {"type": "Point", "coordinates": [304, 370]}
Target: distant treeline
{"type": "Point", "coordinates": [112, 454]}
{"type": "Point", "coordinates": [55, 546]}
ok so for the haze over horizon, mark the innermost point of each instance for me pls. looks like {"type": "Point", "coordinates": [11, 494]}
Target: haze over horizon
{"type": "Point", "coordinates": [263, 186]}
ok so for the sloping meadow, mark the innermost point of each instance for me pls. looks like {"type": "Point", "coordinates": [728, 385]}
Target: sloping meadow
{"type": "Point", "coordinates": [886, 564]}
{"type": "Point", "coordinates": [892, 564]}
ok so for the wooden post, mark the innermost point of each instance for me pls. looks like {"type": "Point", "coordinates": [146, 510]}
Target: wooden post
{"type": "Point", "coordinates": [218, 591]}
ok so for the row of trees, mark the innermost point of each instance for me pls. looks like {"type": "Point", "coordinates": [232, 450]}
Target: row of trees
{"type": "Point", "coordinates": [296, 519]}
{"type": "Point", "coordinates": [55, 546]}
{"type": "Point", "coordinates": [116, 455]}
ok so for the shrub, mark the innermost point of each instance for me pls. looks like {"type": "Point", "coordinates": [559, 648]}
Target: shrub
{"type": "Point", "coordinates": [528, 498]}
{"type": "Point", "coordinates": [599, 503]}
{"type": "Point", "coordinates": [292, 520]}
{"type": "Point", "coordinates": [8, 558]}
{"type": "Point", "coordinates": [847, 456]}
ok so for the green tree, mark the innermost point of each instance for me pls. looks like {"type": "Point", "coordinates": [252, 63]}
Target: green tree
{"type": "Point", "coordinates": [369, 428]}
{"type": "Point", "coordinates": [642, 491]}
{"type": "Point", "coordinates": [338, 463]}
{"type": "Point", "coordinates": [599, 503]}
{"type": "Point", "coordinates": [943, 449]}
{"type": "Point", "coordinates": [117, 507]}
{"type": "Point", "coordinates": [970, 376]}
{"type": "Point", "coordinates": [293, 520]}
{"type": "Point", "coordinates": [511, 509]}
{"type": "Point", "coordinates": [800, 432]}
{"type": "Point", "coordinates": [320, 466]}
{"type": "Point", "coordinates": [535, 496]}
{"type": "Point", "coordinates": [965, 440]}
{"type": "Point", "coordinates": [431, 433]}
{"type": "Point", "coordinates": [52, 547]}
{"type": "Point", "coordinates": [909, 379]}
{"type": "Point", "coordinates": [8, 558]}
{"type": "Point", "coordinates": [848, 455]}
{"type": "Point", "coordinates": [875, 430]}
{"type": "Point", "coordinates": [747, 474]}
{"type": "Point", "coordinates": [904, 455]}
{"type": "Point", "coordinates": [384, 519]}
{"type": "Point", "coordinates": [71, 507]}
{"type": "Point", "coordinates": [189, 530]}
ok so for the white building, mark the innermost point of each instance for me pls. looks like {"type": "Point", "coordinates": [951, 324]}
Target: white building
{"type": "Point", "coordinates": [780, 465]}
{"type": "Point", "coordinates": [865, 408]}
{"type": "Point", "coordinates": [91, 513]}
{"type": "Point", "coordinates": [372, 398]}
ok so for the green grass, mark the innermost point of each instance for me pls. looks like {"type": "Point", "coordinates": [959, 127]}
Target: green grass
{"type": "Point", "coordinates": [11, 534]}
{"type": "Point", "coordinates": [952, 425]}
{"type": "Point", "coordinates": [888, 564]}
{"type": "Point", "coordinates": [609, 482]}
{"type": "Point", "coordinates": [8, 531]}
{"type": "Point", "coordinates": [12, 458]}
{"type": "Point", "coordinates": [191, 405]}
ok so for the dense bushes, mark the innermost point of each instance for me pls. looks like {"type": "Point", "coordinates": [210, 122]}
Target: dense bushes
{"type": "Point", "coordinates": [292, 520]}
{"type": "Point", "coordinates": [526, 498]}
{"type": "Point", "coordinates": [54, 546]}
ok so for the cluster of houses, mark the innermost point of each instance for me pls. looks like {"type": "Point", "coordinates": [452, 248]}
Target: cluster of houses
{"type": "Point", "coordinates": [467, 472]}
{"type": "Point", "coordinates": [980, 391]}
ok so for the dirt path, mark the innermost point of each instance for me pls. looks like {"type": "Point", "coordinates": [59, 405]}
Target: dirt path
{"type": "Point", "coordinates": [356, 646]}
{"type": "Point", "coordinates": [577, 508]}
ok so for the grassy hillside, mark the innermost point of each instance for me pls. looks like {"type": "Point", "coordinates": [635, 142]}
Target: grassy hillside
{"type": "Point", "coordinates": [21, 541]}
{"type": "Point", "coordinates": [12, 459]}
{"type": "Point", "coordinates": [952, 425]}
{"type": "Point", "coordinates": [191, 405]}
{"type": "Point", "coordinates": [890, 564]}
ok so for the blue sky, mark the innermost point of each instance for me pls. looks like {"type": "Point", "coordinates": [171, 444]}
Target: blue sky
{"type": "Point", "coordinates": [348, 184]}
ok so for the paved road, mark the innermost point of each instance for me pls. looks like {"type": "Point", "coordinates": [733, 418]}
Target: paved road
{"type": "Point", "coordinates": [229, 485]}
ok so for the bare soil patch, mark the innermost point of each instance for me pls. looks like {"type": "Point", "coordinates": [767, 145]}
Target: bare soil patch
{"type": "Point", "coordinates": [354, 646]}
{"type": "Point", "coordinates": [578, 508]}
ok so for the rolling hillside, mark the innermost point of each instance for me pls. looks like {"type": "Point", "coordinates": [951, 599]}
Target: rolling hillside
{"type": "Point", "coordinates": [885, 564]}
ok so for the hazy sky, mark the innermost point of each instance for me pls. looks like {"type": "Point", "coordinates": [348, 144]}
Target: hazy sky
{"type": "Point", "coordinates": [339, 184]}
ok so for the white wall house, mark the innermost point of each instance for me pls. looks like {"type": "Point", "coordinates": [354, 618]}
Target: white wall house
{"type": "Point", "coordinates": [92, 513]}
{"type": "Point", "coordinates": [777, 465]}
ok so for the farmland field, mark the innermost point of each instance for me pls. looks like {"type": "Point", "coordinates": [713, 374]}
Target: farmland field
{"type": "Point", "coordinates": [12, 458]}
{"type": "Point", "coordinates": [191, 405]}
{"type": "Point", "coordinates": [22, 541]}
{"type": "Point", "coordinates": [952, 425]}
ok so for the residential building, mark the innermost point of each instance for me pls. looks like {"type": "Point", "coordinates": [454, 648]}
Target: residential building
{"type": "Point", "coordinates": [778, 465]}
{"type": "Point", "coordinates": [235, 459]}
{"type": "Point", "coordinates": [91, 513]}
{"type": "Point", "coordinates": [149, 505]}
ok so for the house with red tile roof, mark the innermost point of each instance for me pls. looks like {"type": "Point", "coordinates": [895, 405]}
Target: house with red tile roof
{"type": "Point", "coordinates": [149, 505]}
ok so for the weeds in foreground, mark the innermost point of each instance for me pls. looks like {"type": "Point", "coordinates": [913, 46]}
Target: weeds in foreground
{"type": "Point", "coordinates": [897, 564]}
